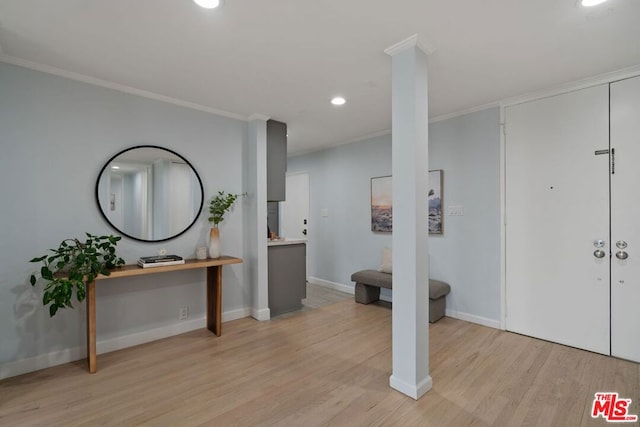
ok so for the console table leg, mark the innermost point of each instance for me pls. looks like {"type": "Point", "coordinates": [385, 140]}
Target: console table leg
{"type": "Point", "coordinates": [214, 299]}
{"type": "Point", "coordinates": [91, 327]}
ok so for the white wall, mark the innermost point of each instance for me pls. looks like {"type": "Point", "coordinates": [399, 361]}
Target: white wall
{"type": "Point", "coordinates": [55, 136]}
{"type": "Point", "coordinates": [468, 254]}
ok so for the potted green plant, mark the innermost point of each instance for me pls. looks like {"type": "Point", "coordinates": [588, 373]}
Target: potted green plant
{"type": "Point", "coordinates": [72, 266]}
{"type": "Point", "coordinates": [219, 205]}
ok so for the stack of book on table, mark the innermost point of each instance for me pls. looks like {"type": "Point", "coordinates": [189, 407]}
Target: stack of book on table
{"type": "Point", "coordinates": [159, 261]}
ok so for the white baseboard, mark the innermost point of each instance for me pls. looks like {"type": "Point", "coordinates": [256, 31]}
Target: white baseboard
{"type": "Point", "coordinates": [262, 314]}
{"type": "Point", "coordinates": [240, 313]}
{"type": "Point", "coordinates": [41, 361]}
{"type": "Point", "coordinates": [491, 323]}
{"type": "Point", "coordinates": [143, 337]}
{"type": "Point", "coordinates": [342, 288]}
{"type": "Point", "coordinates": [332, 285]}
{"type": "Point", "coordinates": [450, 313]}
{"type": "Point", "coordinates": [415, 391]}
{"type": "Point", "coordinates": [386, 298]}
{"type": "Point", "coordinates": [60, 357]}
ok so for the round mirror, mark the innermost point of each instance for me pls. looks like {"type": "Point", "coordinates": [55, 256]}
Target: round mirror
{"type": "Point", "coordinates": [149, 193]}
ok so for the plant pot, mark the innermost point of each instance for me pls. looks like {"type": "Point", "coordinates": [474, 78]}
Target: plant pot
{"type": "Point", "coordinates": [214, 243]}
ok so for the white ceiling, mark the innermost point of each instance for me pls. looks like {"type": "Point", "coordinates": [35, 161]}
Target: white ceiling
{"type": "Point", "coordinates": [287, 58]}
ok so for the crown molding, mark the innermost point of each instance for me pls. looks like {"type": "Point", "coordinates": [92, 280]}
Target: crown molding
{"type": "Point", "coordinates": [464, 112]}
{"type": "Point", "coordinates": [259, 117]}
{"type": "Point", "coordinates": [339, 144]}
{"type": "Point", "coordinates": [115, 86]}
{"type": "Point", "coordinates": [605, 78]}
{"type": "Point", "coordinates": [409, 42]}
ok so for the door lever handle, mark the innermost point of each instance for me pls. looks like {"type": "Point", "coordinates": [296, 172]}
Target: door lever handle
{"type": "Point", "coordinates": [622, 255]}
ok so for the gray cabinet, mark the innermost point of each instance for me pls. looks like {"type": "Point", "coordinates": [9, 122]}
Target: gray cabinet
{"type": "Point", "coordinates": [287, 277]}
{"type": "Point", "coordinates": [276, 160]}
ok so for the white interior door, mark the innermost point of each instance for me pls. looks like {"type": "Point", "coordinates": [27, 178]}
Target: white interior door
{"type": "Point", "coordinates": [557, 205]}
{"type": "Point", "coordinates": [294, 211]}
{"type": "Point", "coordinates": [625, 217]}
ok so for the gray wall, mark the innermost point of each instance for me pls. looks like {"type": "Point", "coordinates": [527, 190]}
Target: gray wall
{"type": "Point", "coordinates": [55, 136]}
{"type": "Point", "coordinates": [467, 255]}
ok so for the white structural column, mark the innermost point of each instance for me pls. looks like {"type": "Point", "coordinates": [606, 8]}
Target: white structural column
{"type": "Point", "coordinates": [410, 219]}
{"type": "Point", "coordinates": [255, 236]}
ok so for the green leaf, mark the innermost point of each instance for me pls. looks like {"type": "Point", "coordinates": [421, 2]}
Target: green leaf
{"type": "Point", "coordinates": [67, 268]}
{"type": "Point", "coordinates": [46, 273]}
{"type": "Point", "coordinates": [81, 293]}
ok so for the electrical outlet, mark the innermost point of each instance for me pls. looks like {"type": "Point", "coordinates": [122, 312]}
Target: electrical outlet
{"type": "Point", "coordinates": [184, 313]}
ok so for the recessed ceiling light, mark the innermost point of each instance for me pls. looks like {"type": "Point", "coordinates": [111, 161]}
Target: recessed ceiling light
{"type": "Point", "coordinates": [338, 100]}
{"type": "Point", "coordinates": [589, 3]}
{"type": "Point", "coordinates": [208, 4]}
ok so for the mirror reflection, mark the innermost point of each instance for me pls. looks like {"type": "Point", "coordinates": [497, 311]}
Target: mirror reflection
{"type": "Point", "coordinates": [149, 193]}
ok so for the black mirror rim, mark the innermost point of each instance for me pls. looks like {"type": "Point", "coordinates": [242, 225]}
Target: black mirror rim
{"type": "Point", "coordinates": [97, 195]}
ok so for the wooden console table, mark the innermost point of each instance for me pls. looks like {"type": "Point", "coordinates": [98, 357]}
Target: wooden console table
{"type": "Point", "coordinates": [214, 295]}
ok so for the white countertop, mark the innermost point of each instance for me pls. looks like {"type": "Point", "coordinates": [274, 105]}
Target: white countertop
{"type": "Point", "coordinates": [285, 241]}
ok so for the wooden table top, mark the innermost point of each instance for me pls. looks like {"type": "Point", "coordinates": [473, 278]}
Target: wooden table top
{"type": "Point", "coordinates": [189, 264]}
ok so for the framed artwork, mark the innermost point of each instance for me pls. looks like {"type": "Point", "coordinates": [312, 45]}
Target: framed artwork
{"type": "Point", "coordinates": [435, 202]}
{"type": "Point", "coordinates": [382, 203]}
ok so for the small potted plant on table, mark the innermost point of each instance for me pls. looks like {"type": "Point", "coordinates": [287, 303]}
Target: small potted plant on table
{"type": "Point", "coordinates": [219, 205]}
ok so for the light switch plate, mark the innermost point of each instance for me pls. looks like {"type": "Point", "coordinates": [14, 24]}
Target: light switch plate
{"type": "Point", "coordinates": [455, 210]}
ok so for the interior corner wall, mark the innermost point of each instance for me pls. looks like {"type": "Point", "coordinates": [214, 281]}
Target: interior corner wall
{"type": "Point", "coordinates": [467, 255]}
{"type": "Point", "coordinates": [56, 134]}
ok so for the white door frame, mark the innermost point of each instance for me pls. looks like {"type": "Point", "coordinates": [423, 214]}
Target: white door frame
{"type": "Point", "coordinates": [280, 216]}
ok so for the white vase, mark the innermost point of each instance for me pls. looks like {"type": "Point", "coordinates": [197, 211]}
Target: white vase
{"type": "Point", "coordinates": [214, 243]}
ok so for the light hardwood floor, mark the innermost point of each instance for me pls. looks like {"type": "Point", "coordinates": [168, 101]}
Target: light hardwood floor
{"type": "Point", "coordinates": [322, 366]}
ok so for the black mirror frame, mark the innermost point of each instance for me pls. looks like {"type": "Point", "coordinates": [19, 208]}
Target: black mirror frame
{"type": "Point", "coordinates": [97, 196]}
